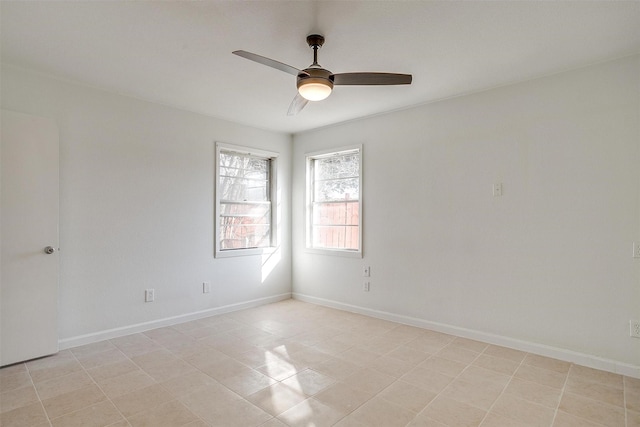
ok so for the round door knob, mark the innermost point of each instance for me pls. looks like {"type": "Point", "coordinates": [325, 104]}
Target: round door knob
{"type": "Point", "coordinates": [49, 250]}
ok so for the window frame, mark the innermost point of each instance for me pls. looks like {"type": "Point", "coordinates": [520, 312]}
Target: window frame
{"type": "Point", "coordinates": [273, 194]}
{"type": "Point", "coordinates": [308, 208]}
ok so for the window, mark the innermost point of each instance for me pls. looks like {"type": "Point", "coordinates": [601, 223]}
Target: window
{"type": "Point", "coordinates": [245, 200]}
{"type": "Point", "coordinates": [334, 211]}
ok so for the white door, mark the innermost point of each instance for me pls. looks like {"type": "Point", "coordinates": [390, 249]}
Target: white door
{"type": "Point", "coordinates": [28, 224]}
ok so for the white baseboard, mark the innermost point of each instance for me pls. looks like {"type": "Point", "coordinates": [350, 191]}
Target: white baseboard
{"type": "Point", "coordinates": [529, 347]}
{"type": "Point", "coordinates": [168, 321]}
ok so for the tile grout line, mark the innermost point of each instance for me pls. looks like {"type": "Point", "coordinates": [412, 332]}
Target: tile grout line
{"type": "Point", "coordinates": [453, 378]}
{"type": "Point", "coordinates": [195, 367]}
{"type": "Point", "coordinates": [163, 347]}
{"type": "Point", "coordinates": [100, 388]}
{"type": "Point", "coordinates": [600, 402]}
{"type": "Point", "coordinates": [310, 346]}
{"type": "Point", "coordinates": [437, 394]}
{"type": "Point", "coordinates": [399, 378]}
{"type": "Point", "coordinates": [37, 394]}
{"type": "Point", "coordinates": [337, 380]}
{"type": "Point", "coordinates": [511, 377]}
{"type": "Point", "coordinates": [624, 401]}
{"type": "Point", "coordinates": [564, 386]}
{"type": "Point", "coordinates": [134, 363]}
{"type": "Point", "coordinates": [235, 359]}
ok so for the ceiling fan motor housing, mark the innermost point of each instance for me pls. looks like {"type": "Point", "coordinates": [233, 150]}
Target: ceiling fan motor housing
{"type": "Point", "coordinates": [315, 75]}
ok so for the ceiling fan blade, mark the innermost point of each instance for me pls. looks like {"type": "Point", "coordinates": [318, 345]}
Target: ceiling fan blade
{"type": "Point", "coordinates": [268, 62]}
{"type": "Point", "coordinates": [371, 79]}
{"type": "Point", "coordinates": [297, 105]}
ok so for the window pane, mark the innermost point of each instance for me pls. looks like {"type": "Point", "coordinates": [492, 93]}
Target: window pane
{"type": "Point", "coordinates": [250, 174]}
{"type": "Point", "coordinates": [334, 193]}
{"type": "Point", "coordinates": [244, 200]}
{"type": "Point", "coordinates": [339, 166]}
{"type": "Point", "coordinates": [243, 236]}
{"type": "Point", "coordinates": [336, 237]}
{"type": "Point", "coordinates": [235, 164]}
{"type": "Point", "coordinates": [337, 189]}
{"type": "Point", "coordinates": [336, 213]}
{"type": "Point", "coordinates": [261, 211]}
{"type": "Point", "coordinates": [241, 189]}
{"type": "Point", "coordinates": [244, 225]}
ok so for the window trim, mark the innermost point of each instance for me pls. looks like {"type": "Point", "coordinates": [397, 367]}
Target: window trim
{"type": "Point", "coordinates": [308, 211]}
{"type": "Point", "coordinates": [273, 187]}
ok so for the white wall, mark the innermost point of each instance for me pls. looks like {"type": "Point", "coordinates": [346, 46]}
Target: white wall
{"type": "Point", "coordinates": [547, 264]}
{"type": "Point", "coordinates": [136, 206]}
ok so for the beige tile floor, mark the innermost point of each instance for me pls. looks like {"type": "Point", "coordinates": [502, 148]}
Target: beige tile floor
{"type": "Point", "coordinates": [298, 364]}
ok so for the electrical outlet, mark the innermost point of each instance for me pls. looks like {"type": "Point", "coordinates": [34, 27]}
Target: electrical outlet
{"type": "Point", "coordinates": [366, 286]}
{"type": "Point", "coordinates": [634, 328]}
{"type": "Point", "coordinates": [149, 295]}
{"type": "Point", "coordinates": [497, 189]}
{"type": "Point", "coordinates": [366, 271]}
{"type": "Point", "coordinates": [206, 287]}
{"type": "Point", "coordinates": [636, 249]}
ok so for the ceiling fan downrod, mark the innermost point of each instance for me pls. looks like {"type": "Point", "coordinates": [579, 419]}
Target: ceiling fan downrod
{"type": "Point", "coordinates": [315, 42]}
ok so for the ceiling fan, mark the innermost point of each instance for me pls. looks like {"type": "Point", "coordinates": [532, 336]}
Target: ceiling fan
{"type": "Point", "coordinates": [316, 83]}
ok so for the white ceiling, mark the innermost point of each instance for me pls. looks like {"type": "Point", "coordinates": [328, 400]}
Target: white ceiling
{"type": "Point", "coordinates": [179, 53]}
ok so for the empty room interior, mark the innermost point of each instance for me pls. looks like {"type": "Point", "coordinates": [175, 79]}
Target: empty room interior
{"type": "Point", "coordinates": [318, 213]}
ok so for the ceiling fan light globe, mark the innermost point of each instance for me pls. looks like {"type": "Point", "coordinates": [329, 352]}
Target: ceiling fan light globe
{"type": "Point", "coordinates": [314, 91]}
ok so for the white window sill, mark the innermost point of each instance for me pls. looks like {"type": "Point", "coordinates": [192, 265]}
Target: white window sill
{"type": "Point", "coordinates": [334, 252]}
{"type": "Point", "coordinates": [229, 253]}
